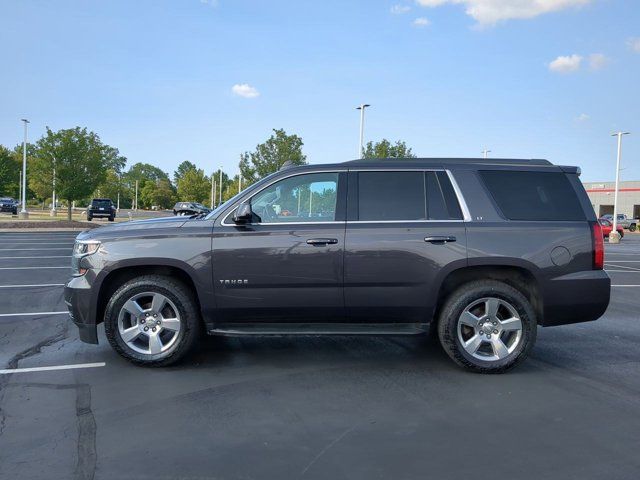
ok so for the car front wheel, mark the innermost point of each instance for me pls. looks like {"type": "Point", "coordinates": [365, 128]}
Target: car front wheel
{"type": "Point", "coordinates": [487, 326]}
{"type": "Point", "coordinates": [152, 320]}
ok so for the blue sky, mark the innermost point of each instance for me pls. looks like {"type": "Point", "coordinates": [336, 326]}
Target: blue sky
{"type": "Point", "coordinates": [524, 78]}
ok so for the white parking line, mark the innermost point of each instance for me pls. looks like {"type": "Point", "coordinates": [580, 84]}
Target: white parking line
{"type": "Point", "coordinates": [623, 271]}
{"type": "Point", "coordinates": [32, 313]}
{"type": "Point", "coordinates": [35, 285]}
{"type": "Point", "coordinates": [625, 285]}
{"type": "Point", "coordinates": [633, 269]}
{"type": "Point", "coordinates": [28, 268]}
{"type": "Point", "coordinates": [9, 371]}
{"type": "Point", "coordinates": [45, 256]}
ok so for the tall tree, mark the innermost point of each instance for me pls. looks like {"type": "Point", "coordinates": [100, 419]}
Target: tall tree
{"type": "Point", "coordinates": [9, 173]}
{"type": "Point", "coordinates": [160, 193]}
{"type": "Point", "coordinates": [269, 156]}
{"type": "Point", "coordinates": [183, 168]}
{"type": "Point", "coordinates": [81, 161]}
{"type": "Point", "coordinates": [194, 186]}
{"type": "Point", "coordinates": [386, 149]}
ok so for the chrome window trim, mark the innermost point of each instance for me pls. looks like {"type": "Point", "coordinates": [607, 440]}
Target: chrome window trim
{"type": "Point", "coordinates": [466, 215]}
{"type": "Point", "coordinates": [293, 174]}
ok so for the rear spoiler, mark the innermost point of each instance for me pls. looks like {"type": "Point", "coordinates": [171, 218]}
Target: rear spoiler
{"type": "Point", "coordinates": [572, 170]}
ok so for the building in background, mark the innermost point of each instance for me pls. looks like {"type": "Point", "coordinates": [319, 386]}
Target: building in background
{"type": "Point", "coordinates": [601, 195]}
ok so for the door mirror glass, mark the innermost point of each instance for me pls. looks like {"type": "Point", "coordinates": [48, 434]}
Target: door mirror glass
{"type": "Point", "coordinates": [243, 213]}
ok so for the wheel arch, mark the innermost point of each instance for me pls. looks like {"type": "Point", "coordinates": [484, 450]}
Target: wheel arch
{"type": "Point", "coordinates": [114, 278]}
{"type": "Point", "coordinates": [516, 276]}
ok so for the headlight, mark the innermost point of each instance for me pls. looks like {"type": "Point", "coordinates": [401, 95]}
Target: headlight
{"type": "Point", "coordinates": [85, 247]}
{"type": "Point", "coordinates": [82, 249]}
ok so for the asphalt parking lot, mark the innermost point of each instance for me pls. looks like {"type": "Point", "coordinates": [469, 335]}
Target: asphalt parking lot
{"type": "Point", "coordinates": [323, 408]}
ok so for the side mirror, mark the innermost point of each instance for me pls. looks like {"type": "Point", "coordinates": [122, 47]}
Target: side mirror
{"type": "Point", "coordinates": [243, 214]}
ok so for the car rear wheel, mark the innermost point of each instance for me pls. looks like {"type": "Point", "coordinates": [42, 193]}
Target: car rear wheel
{"type": "Point", "coordinates": [111, 219]}
{"type": "Point", "coordinates": [632, 227]}
{"type": "Point", "coordinates": [487, 326]}
{"type": "Point", "coordinates": [152, 320]}
{"type": "Point", "coordinates": [89, 218]}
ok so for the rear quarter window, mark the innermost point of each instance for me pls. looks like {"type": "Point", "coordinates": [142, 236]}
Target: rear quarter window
{"type": "Point", "coordinates": [533, 196]}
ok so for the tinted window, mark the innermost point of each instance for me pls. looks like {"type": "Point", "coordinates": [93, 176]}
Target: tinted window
{"type": "Point", "coordinates": [391, 196]}
{"type": "Point", "coordinates": [102, 203]}
{"type": "Point", "coordinates": [442, 203]}
{"type": "Point", "coordinates": [301, 198]}
{"type": "Point", "coordinates": [533, 195]}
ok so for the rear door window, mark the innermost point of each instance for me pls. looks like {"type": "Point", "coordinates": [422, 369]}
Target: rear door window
{"type": "Point", "coordinates": [533, 196]}
{"type": "Point", "coordinates": [408, 196]}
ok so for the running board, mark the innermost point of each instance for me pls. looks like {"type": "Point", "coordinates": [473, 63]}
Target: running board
{"type": "Point", "coordinates": [261, 329]}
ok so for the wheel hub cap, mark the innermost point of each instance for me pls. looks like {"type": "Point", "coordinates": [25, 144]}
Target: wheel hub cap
{"type": "Point", "coordinates": [489, 329]}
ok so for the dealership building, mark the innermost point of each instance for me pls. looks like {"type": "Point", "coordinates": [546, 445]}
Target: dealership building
{"type": "Point", "coordinates": [601, 195]}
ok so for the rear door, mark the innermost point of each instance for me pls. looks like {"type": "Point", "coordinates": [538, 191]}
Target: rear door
{"type": "Point", "coordinates": [404, 228]}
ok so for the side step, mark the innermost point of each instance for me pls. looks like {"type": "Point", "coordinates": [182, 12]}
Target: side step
{"type": "Point", "coordinates": [240, 329]}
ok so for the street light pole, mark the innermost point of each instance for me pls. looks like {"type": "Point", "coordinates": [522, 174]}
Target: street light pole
{"type": "Point", "coordinates": [23, 212]}
{"type": "Point", "coordinates": [614, 231]}
{"type": "Point", "coordinates": [485, 153]}
{"type": "Point", "coordinates": [53, 195]}
{"type": "Point", "coordinates": [136, 209]}
{"type": "Point", "coordinates": [361, 108]}
{"type": "Point", "coordinates": [213, 193]}
{"type": "Point", "coordinates": [20, 187]}
{"type": "Point", "coordinates": [220, 202]}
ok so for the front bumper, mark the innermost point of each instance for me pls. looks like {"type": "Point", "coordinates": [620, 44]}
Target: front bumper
{"type": "Point", "coordinates": [82, 308]}
{"type": "Point", "coordinates": [576, 297]}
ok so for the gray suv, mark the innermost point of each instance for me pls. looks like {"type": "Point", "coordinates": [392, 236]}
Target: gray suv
{"type": "Point", "coordinates": [479, 252]}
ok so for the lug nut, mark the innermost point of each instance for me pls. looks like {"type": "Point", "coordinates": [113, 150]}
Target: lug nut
{"type": "Point", "coordinates": [153, 329]}
{"type": "Point", "coordinates": [495, 331]}
{"type": "Point", "coordinates": [146, 328]}
{"type": "Point", "coordinates": [155, 315]}
{"type": "Point", "coordinates": [158, 322]}
{"type": "Point", "coordinates": [489, 336]}
{"type": "Point", "coordinates": [142, 320]}
{"type": "Point", "coordinates": [495, 323]}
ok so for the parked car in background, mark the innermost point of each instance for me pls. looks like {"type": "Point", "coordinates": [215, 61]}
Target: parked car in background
{"type": "Point", "coordinates": [189, 208]}
{"type": "Point", "coordinates": [8, 204]}
{"type": "Point", "coordinates": [480, 252]}
{"type": "Point", "coordinates": [623, 221]}
{"type": "Point", "coordinates": [101, 208]}
{"type": "Point", "coordinates": [607, 227]}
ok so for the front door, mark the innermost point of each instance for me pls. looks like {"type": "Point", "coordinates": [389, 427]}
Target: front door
{"type": "Point", "coordinates": [404, 229]}
{"type": "Point", "coordinates": [287, 264]}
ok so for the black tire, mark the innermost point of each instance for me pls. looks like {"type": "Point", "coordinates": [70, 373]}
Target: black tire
{"type": "Point", "coordinates": [89, 218]}
{"type": "Point", "coordinates": [111, 219]}
{"type": "Point", "coordinates": [466, 295]}
{"type": "Point", "coordinates": [632, 227]}
{"type": "Point", "coordinates": [178, 293]}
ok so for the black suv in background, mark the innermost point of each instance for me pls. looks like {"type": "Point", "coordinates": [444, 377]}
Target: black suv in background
{"type": "Point", "coordinates": [483, 251]}
{"type": "Point", "coordinates": [189, 208]}
{"type": "Point", "coordinates": [8, 204]}
{"type": "Point", "coordinates": [101, 208]}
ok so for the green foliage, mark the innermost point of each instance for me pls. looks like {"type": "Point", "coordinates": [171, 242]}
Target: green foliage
{"type": "Point", "coordinates": [112, 185]}
{"type": "Point", "coordinates": [9, 173]}
{"type": "Point", "coordinates": [143, 172]}
{"type": "Point", "coordinates": [183, 168]}
{"type": "Point", "coordinates": [194, 186]}
{"type": "Point", "coordinates": [160, 193]}
{"type": "Point", "coordinates": [81, 162]}
{"type": "Point", "coordinates": [269, 156]}
{"type": "Point", "coordinates": [385, 149]}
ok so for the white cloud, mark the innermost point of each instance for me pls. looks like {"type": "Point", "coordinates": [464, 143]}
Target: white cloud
{"type": "Point", "coordinates": [634, 44]}
{"type": "Point", "coordinates": [211, 3]}
{"type": "Point", "coordinates": [245, 90]}
{"type": "Point", "coordinates": [566, 64]}
{"type": "Point", "coordinates": [400, 9]}
{"type": "Point", "coordinates": [490, 12]}
{"type": "Point", "coordinates": [597, 61]}
{"type": "Point", "coordinates": [583, 117]}
{"type": "Point", "coordinates": [422, 22]}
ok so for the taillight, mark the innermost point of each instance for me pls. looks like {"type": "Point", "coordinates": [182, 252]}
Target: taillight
{"type": "Point", "coordinates": [598, 246]}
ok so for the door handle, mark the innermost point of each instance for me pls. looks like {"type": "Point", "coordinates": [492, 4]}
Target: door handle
{"type": "Point", "coordinates": [322, 241]}
{"type": "Point", "coordinates": [440, 239]}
